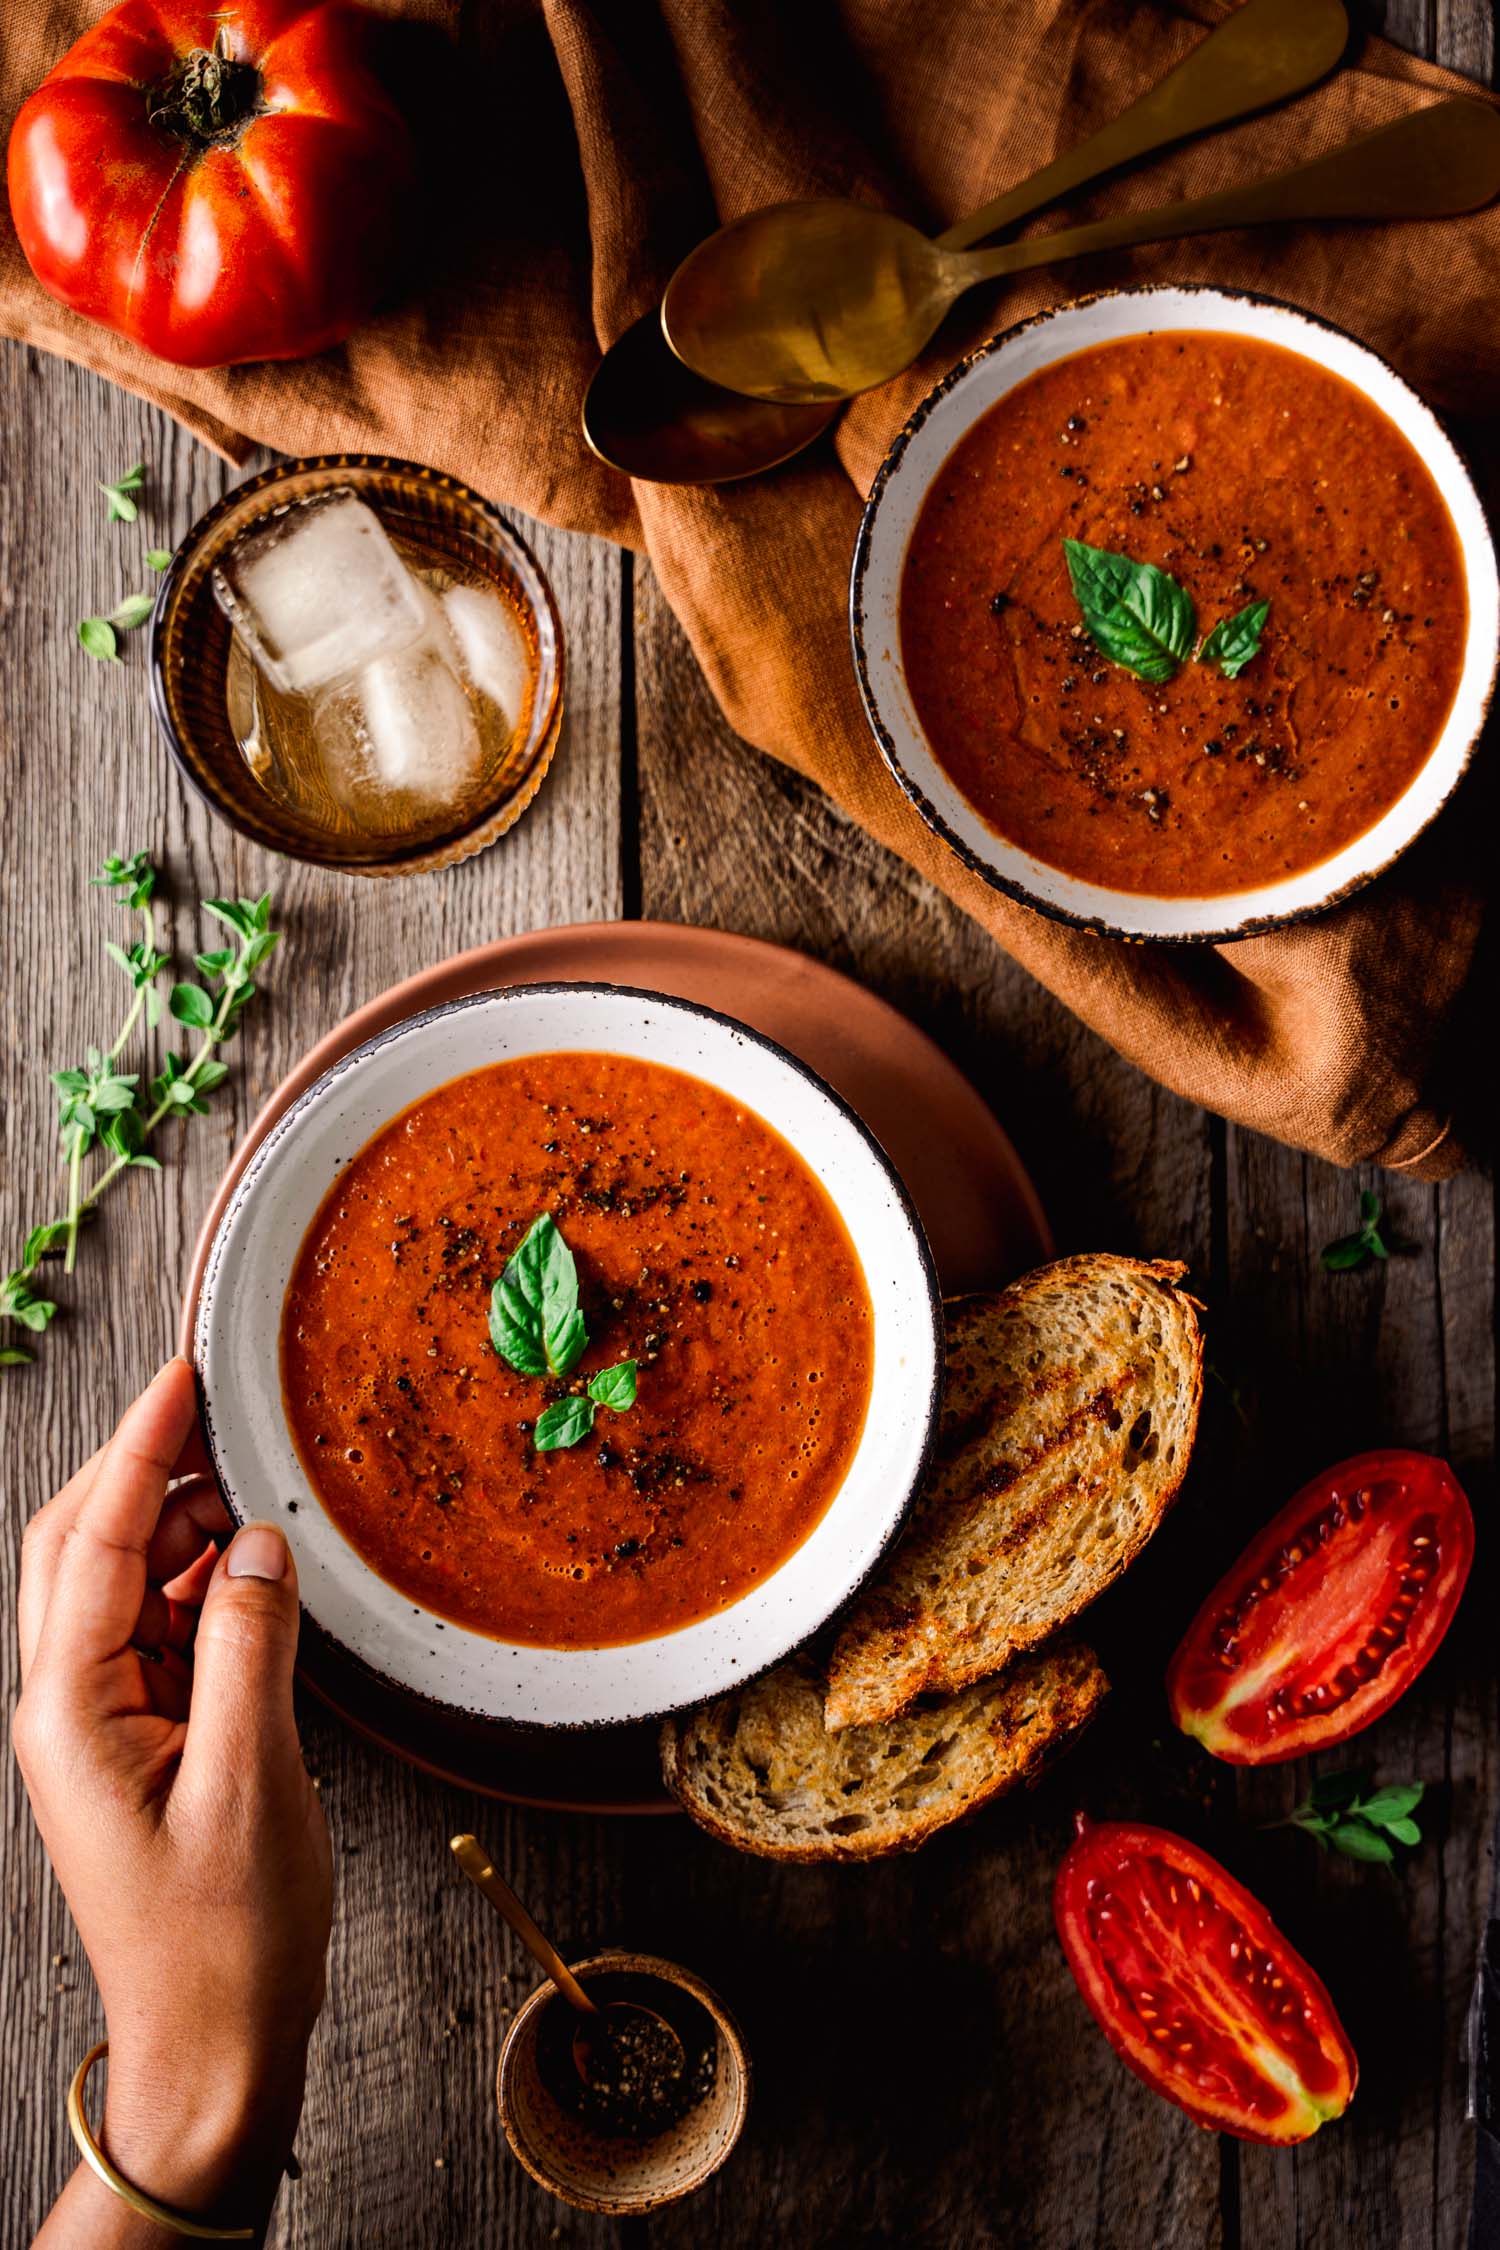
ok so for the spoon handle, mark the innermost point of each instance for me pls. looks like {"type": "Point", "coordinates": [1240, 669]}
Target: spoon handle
{"type": "Point", "coordinates": [1265, 51]}
{"type": "Point", "coordinates": [1440, 160]}
{"type": "Point", "coordinates": [476, 1864]}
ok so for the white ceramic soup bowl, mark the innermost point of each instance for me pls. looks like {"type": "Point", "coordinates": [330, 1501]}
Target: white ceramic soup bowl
{"type": "Point", "coordinates": [237, 1355]}
{"type": "Point", "coordinates": [946, 416]}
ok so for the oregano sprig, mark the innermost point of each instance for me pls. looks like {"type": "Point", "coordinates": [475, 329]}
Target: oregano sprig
{"type": "Point", "coordinates": [537, 1327]}
{"type": "Point", "coordinates": [1350, 1251]}
{"type": "Point", "coordinates": [102, 1112]}
{"type": "Point", "coordinates": [1342, 1813]}
{"type": "Point", "coordinates": [99, 637]}
{"type": "Point", "coordinates": [121, 494]}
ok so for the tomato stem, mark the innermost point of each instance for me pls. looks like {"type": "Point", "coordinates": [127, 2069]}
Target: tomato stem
{"type": "Point", "coordinates": [210, 96]}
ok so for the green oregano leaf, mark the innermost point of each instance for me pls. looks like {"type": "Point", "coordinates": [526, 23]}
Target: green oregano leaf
{"type": "Point", "coordinates": [97, 638]}
{"type": "Point", "coordinates": [191, 1005]}
{"type": "Point", "coordinates": [133, 611]}
{"type": "Point", "coordinates": [158, 557]}
{"type": "Point", "coordinates": [1234, 640]}
{"type": "Point", "coordinates": [1139, 616]}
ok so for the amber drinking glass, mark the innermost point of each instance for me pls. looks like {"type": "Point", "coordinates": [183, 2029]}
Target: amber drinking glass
{"type": "Point", "coordinates": [199, 668]}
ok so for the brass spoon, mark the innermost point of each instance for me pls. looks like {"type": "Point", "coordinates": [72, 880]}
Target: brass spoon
{"type": "Point", "coordinates": [816, 301]}
{"type": "Point", "coordinates": [592, 2041]}
{"type": "Point", "coordinates": [648, 414]}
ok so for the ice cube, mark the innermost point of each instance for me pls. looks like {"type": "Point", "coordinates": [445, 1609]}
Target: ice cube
{"type": "Point", "coordinates": [492, 648]}
{"type": "Point", "coordinates": [318, 592]}
{"type": "Point", "coordinates": [400, 728]}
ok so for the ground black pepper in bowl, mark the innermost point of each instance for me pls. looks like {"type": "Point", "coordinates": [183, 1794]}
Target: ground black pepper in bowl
{"type": "Point", "coordinates": [641, 2082]}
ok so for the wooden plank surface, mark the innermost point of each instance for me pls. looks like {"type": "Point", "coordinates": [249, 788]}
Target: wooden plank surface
{"type": "Point", "coordinates": [926, 2074]}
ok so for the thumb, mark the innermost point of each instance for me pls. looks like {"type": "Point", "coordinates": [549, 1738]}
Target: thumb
{"type": "Point", "coordinates": [240, 1718]}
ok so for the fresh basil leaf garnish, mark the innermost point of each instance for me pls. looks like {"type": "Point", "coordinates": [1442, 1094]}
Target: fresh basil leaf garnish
{"type": "Point", "coordinates": [1139, 615]}
{"type": "Point", "coordinates": [564, 1422]}
{"type": "Point", "coordinates": [535, 1323]}
{"type": "Point", "coordinates": [614, 1387]}
{"type": "Point", "coordinates": [1234, 640]}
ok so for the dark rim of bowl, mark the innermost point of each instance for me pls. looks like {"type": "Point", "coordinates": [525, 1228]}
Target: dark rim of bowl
{"type": "Point", "coordinates": [286, 1123]}
{"type": "Point", "coordinates": [1097, 924]}
{"type": "Point", "coordinates": [413, 855]}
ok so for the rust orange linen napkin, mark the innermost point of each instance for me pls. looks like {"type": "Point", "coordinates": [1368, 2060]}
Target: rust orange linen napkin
{"type": "Point", "coordinates": [579, 150]}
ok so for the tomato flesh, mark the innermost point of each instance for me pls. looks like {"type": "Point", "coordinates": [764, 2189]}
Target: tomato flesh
{"type": "Point", "coordinates": [1196, 1989]}
{"type": "Point", "coordinates": [247, 214]}
{"type": "Point", "coordinates": [1329, 1614]}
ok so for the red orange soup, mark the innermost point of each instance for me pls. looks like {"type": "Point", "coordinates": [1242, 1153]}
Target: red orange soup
{"type": "Point", "coordinates": [706, 1251]}
{"type": "Point", "coordinates": [1248, 472]}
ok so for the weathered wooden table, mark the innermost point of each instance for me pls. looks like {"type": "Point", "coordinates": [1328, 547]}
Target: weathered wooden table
{"type": "Point", "coordinates": [926, 2070]}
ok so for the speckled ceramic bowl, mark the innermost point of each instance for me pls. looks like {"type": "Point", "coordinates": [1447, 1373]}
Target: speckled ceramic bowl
{"type": "Point", "coordinates": [237, 1355]}
{"type": "Point", "coordinates": [946, 416]}
{"type": "Point", "coordinates": [614, 2175]}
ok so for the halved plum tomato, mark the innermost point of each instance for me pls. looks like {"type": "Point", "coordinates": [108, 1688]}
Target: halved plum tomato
{"type": "Point", "coordinates": [1329, 1614]}
{"type": "Point", "coordinates": [1196, 1989]}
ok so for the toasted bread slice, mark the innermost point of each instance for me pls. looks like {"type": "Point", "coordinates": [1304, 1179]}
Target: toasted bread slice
{"type": "Point", "coordinates": [759, 1770]}
{"type": "Point", "coordinates": [1068, 1420]}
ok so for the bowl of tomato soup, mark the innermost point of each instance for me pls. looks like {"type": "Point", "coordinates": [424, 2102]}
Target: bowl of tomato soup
{"type": "Point", "coordinates": [586, 1343]}
{"type": "Point", "coordinates": [1175, 612]}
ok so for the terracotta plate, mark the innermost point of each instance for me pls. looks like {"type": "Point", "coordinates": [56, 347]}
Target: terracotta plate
{"type": "Point", "coordinates": [979, 1208]}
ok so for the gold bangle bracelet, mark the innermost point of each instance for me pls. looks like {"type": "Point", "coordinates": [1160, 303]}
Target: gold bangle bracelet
{"type": "Point", "coordinates": [99, 2164]}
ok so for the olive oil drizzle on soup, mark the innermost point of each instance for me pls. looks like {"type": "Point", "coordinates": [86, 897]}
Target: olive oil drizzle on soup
{"type": "Point", "coordinates": [706, 1251]}
{"type": "Point", "coordinates": [1249, 473]}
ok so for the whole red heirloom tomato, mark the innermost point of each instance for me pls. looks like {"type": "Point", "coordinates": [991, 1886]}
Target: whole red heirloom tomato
{"type": "Point", "coordinates": [220, 185]}
{"type": "Point", "coordinates": [1196, 1989]}
{"type": "Point", "coordinates": [1329, 1614]}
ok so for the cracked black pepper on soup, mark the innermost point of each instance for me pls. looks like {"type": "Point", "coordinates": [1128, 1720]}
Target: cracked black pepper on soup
{"type": "Point", "coordinates": [1250, 476]}
{"type": "Point", "coordinates": [706, 1253]}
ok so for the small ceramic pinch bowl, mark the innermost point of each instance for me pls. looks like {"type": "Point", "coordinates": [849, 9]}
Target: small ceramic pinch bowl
{"type": "Point", "coordinates": [901, 486]}
{"type": "Point", "coordinates": [612, 2173]}
{"type": "Point", "coordinates": [191, 642]}
{"type": "Point", "coordinates": [237, 1355]}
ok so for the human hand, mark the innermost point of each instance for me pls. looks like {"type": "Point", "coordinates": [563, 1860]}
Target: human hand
{"type": "Point", "coordinates": [175, 1807]}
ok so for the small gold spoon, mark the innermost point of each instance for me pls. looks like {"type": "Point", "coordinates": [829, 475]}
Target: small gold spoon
{"type": "Point", "coordinates": [817, 301]}
{"type": "Point", "coordinates": [648, 414]}
{"type": "Point", "coordinates": [595, 2042]}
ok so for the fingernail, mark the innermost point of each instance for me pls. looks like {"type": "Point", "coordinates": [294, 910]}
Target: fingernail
{"type": "Point", "coordinates": [259, 1551]}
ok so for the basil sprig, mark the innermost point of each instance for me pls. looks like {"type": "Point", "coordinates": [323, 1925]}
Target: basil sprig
{"type": "Point", "coordinates": [537, 1327]}
{"type": "Point", "coordinates": [1143, 620]}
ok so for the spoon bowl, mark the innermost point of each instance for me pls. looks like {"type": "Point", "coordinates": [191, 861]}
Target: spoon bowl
{"type": "Point", "coordinates": [650, 417]}
{"type": "Point", "coordinates": [623, 2043]}
{"type": "Point", "coordinates": [810, 301]}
